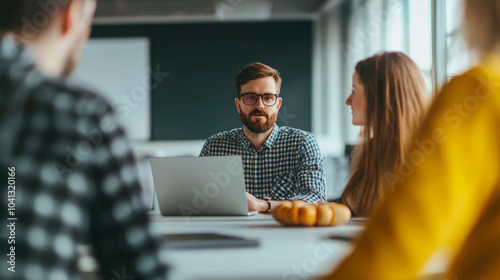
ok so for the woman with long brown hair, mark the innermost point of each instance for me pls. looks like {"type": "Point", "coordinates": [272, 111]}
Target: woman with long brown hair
{"type": "Point", "coordinates": [449, 205]}
{"type": "Point", "coordinates": [387, 100]}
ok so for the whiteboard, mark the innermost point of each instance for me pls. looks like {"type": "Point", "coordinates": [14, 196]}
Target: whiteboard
{"type": "Point", "coordinates": [119, 69]}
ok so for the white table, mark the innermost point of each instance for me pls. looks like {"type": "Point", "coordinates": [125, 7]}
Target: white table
{"type": "Point", "coordinates": [284, 252]}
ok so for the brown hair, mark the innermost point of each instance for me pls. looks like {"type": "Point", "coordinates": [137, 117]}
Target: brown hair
{"type": "Point", "coordinates": [17, 16]}
{"type": "Point", "coordinates": [255, 71]}
{"type": "Point", "coordinates": [481, 24]}
{"type": "Point", "coordinates": [394, 90]}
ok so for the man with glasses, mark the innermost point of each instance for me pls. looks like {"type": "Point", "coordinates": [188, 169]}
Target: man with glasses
{"type": "Point", "coordinates": [280, 163]}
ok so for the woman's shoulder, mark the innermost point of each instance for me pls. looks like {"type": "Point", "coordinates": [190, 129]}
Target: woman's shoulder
{"type": "Point", "coordinates": [478, 85]}
{"type": "Point", "coordinates": [481, 77]}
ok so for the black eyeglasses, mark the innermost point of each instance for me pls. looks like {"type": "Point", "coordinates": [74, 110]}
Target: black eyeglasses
{"type": "Point", "coordinates": [250, 98]}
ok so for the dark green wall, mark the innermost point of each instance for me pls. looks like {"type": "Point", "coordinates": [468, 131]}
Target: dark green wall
{"type": "Point", "coordinates": [196, 100]}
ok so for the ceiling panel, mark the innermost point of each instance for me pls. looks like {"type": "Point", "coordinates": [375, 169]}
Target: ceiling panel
{"type": "Point", "coordinates": [205, 10]}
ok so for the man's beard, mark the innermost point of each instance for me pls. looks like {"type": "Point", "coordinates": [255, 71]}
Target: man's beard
{"type": "Point", "coordinates": [258, 126]}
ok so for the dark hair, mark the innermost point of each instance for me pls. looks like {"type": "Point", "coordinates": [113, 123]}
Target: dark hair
{"type": "Point", "coordinates": [28, 17]}
{"type": "Point", "coordinates": [255, 71]}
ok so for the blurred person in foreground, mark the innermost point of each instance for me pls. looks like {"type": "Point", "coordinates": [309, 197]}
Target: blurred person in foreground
{"type": "Point", "coordinates": [447, 199]}
{"type": "Point", "coordinates": [71, 174]}
{"type": "Point", "coordinates": [388, 102]}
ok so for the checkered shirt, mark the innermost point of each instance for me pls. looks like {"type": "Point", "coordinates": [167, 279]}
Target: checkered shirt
{"type": "Point", "coordinates": [75, 180]}
{"type": "Point", "coordinates": [288, 167]}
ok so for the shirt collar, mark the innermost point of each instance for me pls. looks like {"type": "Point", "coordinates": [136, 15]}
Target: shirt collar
{"type": "Point", "coordinates": [270, 140]}
{"type": "Point", "coordinates": [268, 144]}
{"type": "Point", "coordinates": [11, 52]}
{"type": "Point", "coordinates": [243, 140]}
{"type": "Point", "coordinates": [8, 48]}
{"type": "Point", "coordinates": [491, 61]}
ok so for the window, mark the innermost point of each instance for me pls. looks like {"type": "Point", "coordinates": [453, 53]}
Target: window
{"type": "Point", "coordinates": [457, 59]}
{"type": "Point", "coordinates": [420, 37]}
{"type": "Point", "coordinates": [395, 25]}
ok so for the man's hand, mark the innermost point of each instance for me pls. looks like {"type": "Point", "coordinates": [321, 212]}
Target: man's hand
{"type": "Point", "coordinates": [255, 204]}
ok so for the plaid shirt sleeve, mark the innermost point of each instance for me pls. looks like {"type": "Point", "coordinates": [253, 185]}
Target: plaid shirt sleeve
{"type": "Point", "coordinates": [311, 175]}
{"type": "Point", "coordinates": [205, 151]}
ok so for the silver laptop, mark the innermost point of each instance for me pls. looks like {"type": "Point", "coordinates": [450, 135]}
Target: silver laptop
{"type": "Point", "coordinates": [200, 186]}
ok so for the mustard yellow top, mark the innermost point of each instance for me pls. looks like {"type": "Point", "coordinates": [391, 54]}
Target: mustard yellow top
{"type": "Point", "coordinates": [448, 196]}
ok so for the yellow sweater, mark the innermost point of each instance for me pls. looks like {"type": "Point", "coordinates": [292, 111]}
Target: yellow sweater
{"type": "Point", "coordinates": [448, 196]}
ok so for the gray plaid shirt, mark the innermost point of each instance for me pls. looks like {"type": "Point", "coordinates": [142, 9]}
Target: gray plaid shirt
{"type": "Point", "coordinates": [74, 180]}
{"type": "Point", "coordinates": [288, 167]}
